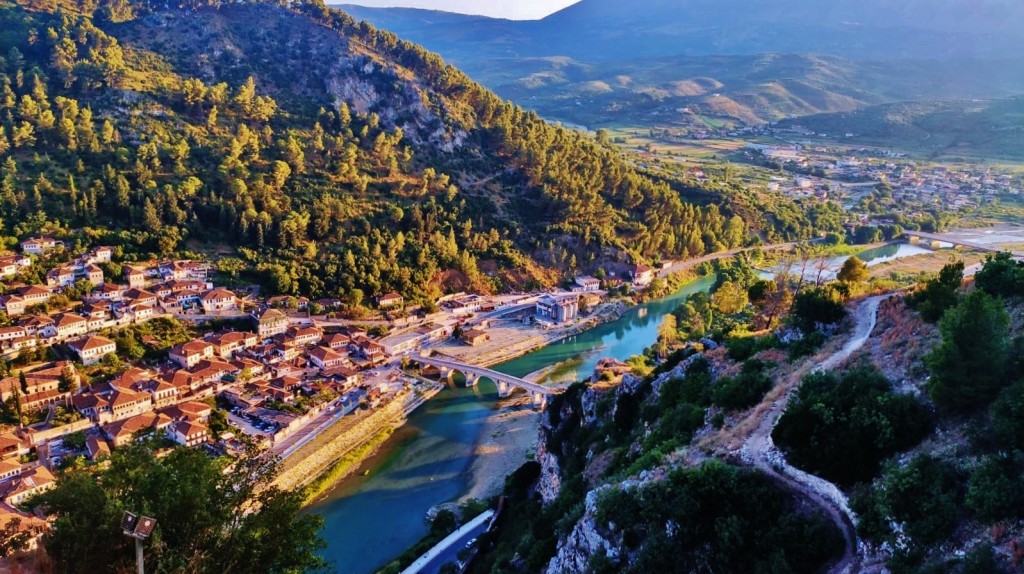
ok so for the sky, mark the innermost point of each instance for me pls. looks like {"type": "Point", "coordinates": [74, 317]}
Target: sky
{"type": "Point", "coordinates": [512, 9]}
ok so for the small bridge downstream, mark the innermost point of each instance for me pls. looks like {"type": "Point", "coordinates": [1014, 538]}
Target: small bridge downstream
{"type": "Point", "coordinates": [937, 239]}
{"type": "Point", "coordinates": [506, 383]}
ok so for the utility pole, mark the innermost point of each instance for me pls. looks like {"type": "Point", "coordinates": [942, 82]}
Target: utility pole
{"type": "Point", "coordinates": [139, 528]}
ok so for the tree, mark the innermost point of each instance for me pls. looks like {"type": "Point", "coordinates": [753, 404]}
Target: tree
{"type": "Point", "coordinates": [867, 234]}
{"type": "Point", "coordinates": [14, 538]}
{"type": "Point", "coordinates": [1007, 416]}
{"type": "Point", "coordinates": [1001, 276]}
{"type": "Point", "coordinates": [939, 293]}
{"type": "Point", "coordinates": [730, 298]}
{"type": "Point", "coordinates": [211, 517]}
{"type": "Point", "coordinates": [853, 271]}
{"type": "Point", "coordinates": [969, 366]}
{"type": "Point", "coordinates": [817, 305]}
{"type": "Point", "coordinates": [68, 381]}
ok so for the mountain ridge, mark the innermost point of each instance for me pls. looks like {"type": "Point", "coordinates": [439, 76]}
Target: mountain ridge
{"type": "Point", "coordinates": [337, 158]}
{"type": "Point", "coordinates": [554, 65]}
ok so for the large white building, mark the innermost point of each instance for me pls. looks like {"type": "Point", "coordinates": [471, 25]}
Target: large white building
{"type": "Point", "coordinates": [558, 308]}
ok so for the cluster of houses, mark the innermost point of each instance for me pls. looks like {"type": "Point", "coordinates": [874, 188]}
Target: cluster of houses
{"type": "Point", "coordinates": [253, 371]}
{"type": "Point", "coordinates": [914, 185]}
{"type": "Point", "coordinates": [269, 379]}
{"type": "Point", "coordinates": [260, 374]}
{"type": "Point", "coordinates": [157, 289]}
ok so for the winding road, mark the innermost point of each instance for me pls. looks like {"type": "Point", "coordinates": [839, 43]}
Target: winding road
{"type": "Point", "coordinates": [759, 450]}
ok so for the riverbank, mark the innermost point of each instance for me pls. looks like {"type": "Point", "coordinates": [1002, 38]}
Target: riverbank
{"type": "Point", "coordinates": [508, 439]}
{"type": "Point", "coordinates": [345, 466]}
{"type": "Point", "coordinates": [511, 339]}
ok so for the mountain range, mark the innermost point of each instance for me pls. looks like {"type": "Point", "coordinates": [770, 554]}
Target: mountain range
{"type": "Point", "coordinates": [745, 60]}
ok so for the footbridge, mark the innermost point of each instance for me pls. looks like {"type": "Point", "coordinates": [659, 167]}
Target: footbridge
{"type": "Point", "coordinates": [506, 383]}
{"type": "Point", "coordinates": [937, 239]}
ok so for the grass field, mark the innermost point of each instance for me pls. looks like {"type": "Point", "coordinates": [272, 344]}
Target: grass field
{"type": "Point", "coordinates": [636, 139]}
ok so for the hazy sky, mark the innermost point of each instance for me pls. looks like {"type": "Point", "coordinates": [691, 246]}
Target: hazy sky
{"type": "Point", "coordinates": [513, 9]}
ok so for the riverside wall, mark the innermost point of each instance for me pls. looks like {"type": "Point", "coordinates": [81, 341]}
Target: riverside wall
{"type": "Point", "coordinates": [317, 457]}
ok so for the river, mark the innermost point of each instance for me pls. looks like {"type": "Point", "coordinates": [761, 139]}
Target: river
{"type": "Point", "coordinates": [369, 520]}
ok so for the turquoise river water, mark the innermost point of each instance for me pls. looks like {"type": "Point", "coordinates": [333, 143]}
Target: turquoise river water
{"type": "Point", "coordinates": [369, 520]}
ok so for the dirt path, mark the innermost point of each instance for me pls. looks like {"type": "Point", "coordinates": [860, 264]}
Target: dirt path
{"type": "Point", "coordinates": [759, 450]}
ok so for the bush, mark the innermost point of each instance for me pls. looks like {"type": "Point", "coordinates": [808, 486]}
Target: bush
{"type": "Point", "coordinates": [1007, 416]}
{"type": "Point", "coordinates": [995, 490]}
{"type": "Point", "coordinates": [817, 305]}
{"type": "Point", "coordinates": [938, 294]}
{"type": "Point", "coordinates": [806, 346]}
{"type": "Point", "coordinates": [1001, 276]}
{"type": "Point", "coordinates": [923, 496]}
{"type": "Point", "coordinates": [843, 428]}
{"type": "Point", "coordinates": [694, 387]}
{"type": "Point", "coordinates": [715, 518]}
{"type": "Point", "coordinates": [742, 348]}
{"type": "Point", "coordinates": [744, 390]}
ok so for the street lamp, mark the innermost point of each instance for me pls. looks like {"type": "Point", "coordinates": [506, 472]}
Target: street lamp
{"type": "Point", "coordinates": [139, 528]}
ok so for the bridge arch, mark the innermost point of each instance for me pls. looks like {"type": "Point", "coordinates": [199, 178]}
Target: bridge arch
{"type": "Point", "coordinates": [506, 383]}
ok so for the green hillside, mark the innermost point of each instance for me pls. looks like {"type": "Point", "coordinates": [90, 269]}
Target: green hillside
{"type": "Point", "coordinates": [331, 158]}
{"type": "Point", "coordinates": [933, 129]}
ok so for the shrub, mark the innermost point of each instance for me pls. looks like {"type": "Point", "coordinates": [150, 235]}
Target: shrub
{"type": "Point", "coordinates": [923, 496]}
{"type": "Point", "coordinates": [817, 305]}
{"type": "Point", "coordinates": [744, 390]}
{"type": "Point", "coordinates": [843, 428]}
{"type": "Point", "coordinates": [969, 366]}
{"type": "Point", "coordinates": [715, 518]}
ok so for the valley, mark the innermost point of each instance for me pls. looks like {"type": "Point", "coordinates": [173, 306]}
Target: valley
{"type": "Point", "coordinates": [749, 275]}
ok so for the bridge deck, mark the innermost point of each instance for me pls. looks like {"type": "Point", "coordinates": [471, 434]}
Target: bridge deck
{"type": "Point", "coordinates": [485, 372]}
{"type": "Point", "coordinates": [960, 242]}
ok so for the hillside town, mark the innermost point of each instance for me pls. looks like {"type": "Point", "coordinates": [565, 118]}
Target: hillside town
{"type": "Point", "coordinates": [161, 352]}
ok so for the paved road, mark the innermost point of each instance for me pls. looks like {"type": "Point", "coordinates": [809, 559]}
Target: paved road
{"type": "Point", "coordinates": [448, 549]}
{"type": "Point", "coordinates": [307, 433]}
{"type": "Point", "coordinates": [689, 263]}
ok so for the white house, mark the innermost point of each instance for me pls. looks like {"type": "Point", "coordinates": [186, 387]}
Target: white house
{"type": "Point", "coordinates": [219, 300]}
{"type": "Point", "coordinates": [39, 245]}
{"type": "Point", "coordinates": [188, 433]}
{"type": "Point", "coordinates": [189, 354]}
{"type": "Point", "coordinates": [390, 300]}
{"type": "Point", "coordinates": [588, 283]}
{"type": "Point", "coordinates": [91, 350]}
{"type": "Point", "coordinates": [66, 325]}
{"type": "Point", "coordinates": [325, 358]}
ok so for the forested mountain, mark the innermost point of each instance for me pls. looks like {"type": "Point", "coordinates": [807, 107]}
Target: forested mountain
{"type": "Point", "coordinates": [337, 158]}
{"type": "Point", "coordinates": [752, 61]}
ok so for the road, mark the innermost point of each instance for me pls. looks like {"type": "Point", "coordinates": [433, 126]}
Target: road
{"type": "Point", "coordinates": [760, 451]}
{"type": "Point", "coordinates": [310, 431]}
{"type": "Point", "coordinates": [689, 263]}
{"type": "Point", "coordinates": [448, 549]}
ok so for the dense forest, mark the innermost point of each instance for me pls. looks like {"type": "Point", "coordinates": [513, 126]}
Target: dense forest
{"type": "Point", "coordinates": [327, 157]}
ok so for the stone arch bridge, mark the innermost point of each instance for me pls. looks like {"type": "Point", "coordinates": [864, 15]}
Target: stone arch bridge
{"type": "Point", "coordinates": [506, 383]}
